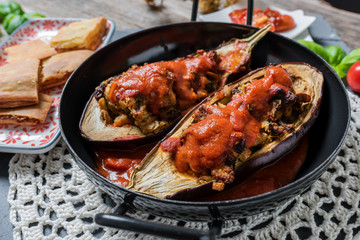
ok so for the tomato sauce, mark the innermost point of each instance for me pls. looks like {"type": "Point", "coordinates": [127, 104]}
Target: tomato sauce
{"type": "Point", "coordinates": [165, 83]}
{"type": "Point", "coordinates": [271, 177]}
{"type": "Point", "coordinates": [206, 143]}
{"type": "Point", "coordinates": [234, 61]}
{"type": "Point", "coordinates": [279, 22]}
{"type": "Point", "coordinates": [117, 165]}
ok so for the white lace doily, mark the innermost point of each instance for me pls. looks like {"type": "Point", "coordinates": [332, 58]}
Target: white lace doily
{"type": "Point", "coordinates": [51, 198]}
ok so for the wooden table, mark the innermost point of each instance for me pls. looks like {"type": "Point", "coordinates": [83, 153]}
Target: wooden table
{"type": "Point", "coordinates": [136, 14]}
{"type": "Point", "coordinates": [129, 14]}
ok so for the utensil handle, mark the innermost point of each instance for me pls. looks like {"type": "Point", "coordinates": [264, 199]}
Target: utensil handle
{"type": "Point", "coordinates": [250, 10]}
{"type": "Point", "coordinates": [194, 10]}
{"type": "Point", "coordinates": [157, 229]}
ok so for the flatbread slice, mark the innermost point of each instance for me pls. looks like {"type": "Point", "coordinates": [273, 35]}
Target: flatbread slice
{"type": "Point", "coordinates": [57, 69]}
{"type": "Point", "coordinates": [30, 115]}
{"type": "Point", "coordinates": [33, 49]}
{"type": "Point", "coordinates": [86, 34]}
{"type": "Point", "coordinates": [19, 83]}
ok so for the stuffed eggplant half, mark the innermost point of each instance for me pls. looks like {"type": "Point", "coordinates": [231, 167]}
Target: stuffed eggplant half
{"type": "Point", "coordinates": [146, 100]}
{"type": "Point", "coordinates": [241, 128]}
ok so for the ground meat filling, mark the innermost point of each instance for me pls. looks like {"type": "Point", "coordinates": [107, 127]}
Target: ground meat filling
{"type": "Point", "coordinates": [222, 134]}
{"type": "Point", "coordinates": [155, 94]}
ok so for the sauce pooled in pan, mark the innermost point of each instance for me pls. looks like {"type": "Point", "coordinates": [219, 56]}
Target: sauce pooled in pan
{"type": "Point", "coordinates": [117, 166]}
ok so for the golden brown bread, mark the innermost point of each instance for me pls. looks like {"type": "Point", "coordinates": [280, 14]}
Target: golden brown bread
{"type": "Point", "coordinates": [19, 83]}
{"type": "Point", "coordinates": [33, 49]}
{"type": "Point", "coordinates": [80, 35]}
{"type": "Point", "coordinates": [29, 115]}
{"type": "Point", "coordinates": [57, 69]}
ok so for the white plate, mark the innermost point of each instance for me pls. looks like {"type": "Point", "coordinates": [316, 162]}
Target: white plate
{"type": "Point", "coordinates": [302, 21]}
{"type": "Point", "coordinates": [42, 137]}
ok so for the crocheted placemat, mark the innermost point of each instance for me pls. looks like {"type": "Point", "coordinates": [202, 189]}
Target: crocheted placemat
{"type": "Point", "coordinates": [50, 197]}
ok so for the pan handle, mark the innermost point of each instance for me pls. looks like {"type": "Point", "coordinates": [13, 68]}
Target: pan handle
{"type": "Point", "coordinates": [156, 229]}
{"type": "Point", "coordinates": [120, 221]}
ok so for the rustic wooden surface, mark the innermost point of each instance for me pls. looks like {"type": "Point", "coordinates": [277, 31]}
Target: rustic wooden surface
{"type": "Point", "coordinates": [136, 14]}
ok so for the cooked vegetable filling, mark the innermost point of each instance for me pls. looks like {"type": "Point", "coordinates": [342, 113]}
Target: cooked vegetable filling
{"type": "Point", "coordinates": [153, 95]}
{"type": "Point", "coordinates": [249, 118]}
{"type": "Point", "coordinates": [147, 100]}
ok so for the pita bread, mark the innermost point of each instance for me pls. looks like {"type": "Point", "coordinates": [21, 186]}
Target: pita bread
{"type": "Point", "coordinates": [57, 69]}
{"type": "Point", "coordinates": [18, 83]}
{"type": "Point", "coordinates": [80, 35]}
{"type": "Point", "coordinates": [30, 115]}
{"type": "Point", "coordinates": [33, 49]}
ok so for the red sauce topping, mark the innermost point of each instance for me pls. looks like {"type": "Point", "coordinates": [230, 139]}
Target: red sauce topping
{"type": "Point", "coordinates": [271, 177]}
{"type": "Point", "coordinates": [170, 145]}
{"type": "Point", "coordinates": [117, 165]}
{"type": "Point", "coordinates": [158, 82]}
{"type": "Point", "coordinates": [279, 22]}
{"type": "Point", "coordinates": [205, 143]}
{"type": "Point", "coordinates": [234, 61]}
{"type": "Point", "coordinates": [191, 80]}
{"type": "Point", "coordinates": [150, 80]}
{"type": "Point", "coordinates": [129, 137]}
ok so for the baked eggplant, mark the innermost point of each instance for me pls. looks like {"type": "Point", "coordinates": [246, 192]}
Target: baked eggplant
{"type": "Point", "coordinates": [241, 128]}
{"type": "Point", "coordinates": [146, 101]}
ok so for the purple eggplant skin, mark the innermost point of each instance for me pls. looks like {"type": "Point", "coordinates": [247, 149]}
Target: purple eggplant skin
{"type": "Point", "coordinates": [254, 164]}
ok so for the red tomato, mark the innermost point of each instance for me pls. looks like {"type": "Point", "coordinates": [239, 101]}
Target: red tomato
{"type": "Point", "coordinates": [285, 23]}
{"type": "Point", "coordinates": [238, 16]}
{"type": "Point", "coordinates": [118, 164]}
{"type": "Point", "coordinates": [259, 20]}
{"type": "Point", "coordinates": [282, 22]}
{"type": "Point", "coordinates": [353, 77]}
{"type": "Point", "coordinates": [279, 23]}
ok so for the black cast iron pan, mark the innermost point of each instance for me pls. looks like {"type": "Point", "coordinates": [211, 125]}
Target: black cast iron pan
{"type": "Point", "coordinates": [175, 40]}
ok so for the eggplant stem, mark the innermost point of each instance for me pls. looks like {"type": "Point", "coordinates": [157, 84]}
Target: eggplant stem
{"type": "Point", "coordinates": [254, 38]}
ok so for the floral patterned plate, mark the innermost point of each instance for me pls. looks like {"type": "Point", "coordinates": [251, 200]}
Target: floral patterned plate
{"type": "Point", "coordinates": [42, 137]}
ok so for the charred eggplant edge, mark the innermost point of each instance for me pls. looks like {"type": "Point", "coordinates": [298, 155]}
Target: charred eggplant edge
{"type": "Point", "coordinates": [143, 140]}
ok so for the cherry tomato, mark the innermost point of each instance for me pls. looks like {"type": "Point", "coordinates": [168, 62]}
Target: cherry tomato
{"type": "Point", "coordinates": [353, 77]}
